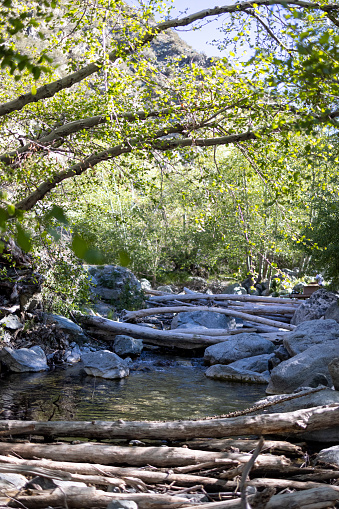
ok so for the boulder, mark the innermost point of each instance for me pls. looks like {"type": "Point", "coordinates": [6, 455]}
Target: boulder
{"type": "Point", "coordinates": [11, 322]}
{"type": "Point", "coordinates": [332, 313]}
{"type": "Point", "coordinates": [308, 368]}
{"type": "Point", "coordinates": [238, 347]}
{"type": "Point", "coordinates": [70, 328]}
{"type": "Point", "coordinates": [236, 289]}
{"type": "Point", "coordinates": [310, 333]}
{"type": "Point", "coordinates": [104, 364]}
{"type": "Point", "coordinates": [206, 319]}
{"type": "Point", "coordinates": [315, 307]}
{"type": "Point", "coordinates": [125, 345]}
{"type": "Point", "coordinates": [72, 355]}
{"type": "Point", "coordinates": [145, 284]}
{"type": "Point", "coordinates": [329, 456]}
{"type": "Point", "coordinates": [122, 504]}
{"type": "Point", "coordinates": [165, 289]}
{"type": "Point", "coordinates": [258, 363]}
{"type": "Point", "coordinates": [231, 374]}
{"type": "Point", "coordinates": [116, 285]}
{"type": "Point", "coordinates": [333, 369]}
{"type": "Point", "coordinates": [24, 359]}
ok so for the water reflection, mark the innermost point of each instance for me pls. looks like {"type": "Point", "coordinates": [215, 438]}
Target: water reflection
{"type": "Point", "coordinates": [162, 392]}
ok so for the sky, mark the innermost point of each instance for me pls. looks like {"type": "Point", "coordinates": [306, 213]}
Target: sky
{"type": "Point", "coordinates": [198, 39]}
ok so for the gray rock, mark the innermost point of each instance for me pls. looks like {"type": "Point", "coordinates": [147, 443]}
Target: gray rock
{"type": "Point", "coordinates": [116, 285]}
{"type": "Point", "coordinates": [125, 345]}
{"type": "Point", "coordinates": [207, 319]}
{"type": "Point", "coordinates": [122, 504]}
{"type": "Point", "coordinates": [304, 369]}
{"type": "Point", "coordinates": [333, 369]}
{"type": "Point", "coordinates": [165, 289]}
{"type": "Point", "coordinates": [332, 313]}
{"type": "Point", "coordinates": [24, 359]}
{"type": "Point", "coordinates": [73, 330]}
{"type": "Point", "coordinates": [11, 322]}
{"type": "Point", "coordinates": [310, 333]}
{"type": "Point", "coordinates": [315, 307]}
{"type": "Point", "coordinates": [231, 374]}
{"type": "Point", "coordinates": [72, 355]}
{"type": "Point", "coordinates": [12, 481]}
{"type": "Point", "coordinates": [329, 455]}
{"type": "Point", "coordinates": [236, 289]}
{"type": "Point", "coordinates": [145, 284]}
{"type": "Point", "coordinates": [105, 364]}
{"type": "Point", "coordinates": [258, 363]}
{"type": "Point", "coordinates": [103, 309]}
{"type": "Point", "coordinates": [238, 347]}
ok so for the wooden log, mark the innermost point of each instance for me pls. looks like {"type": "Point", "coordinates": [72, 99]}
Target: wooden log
{"type": "Point", "coordinates": [151, 336]}
{"type": "Point", "coordinates": [290, 423]}
{"type": "Point", "coordinates": [138, 456]}
{"type": "Point", "coordinates": [89, 470]}
{"type": "Point", "coordinates": [75, 497]}
{"type": "Point", "coordinates": [316, 498]}
{"type": "Point", "coordinates": [226, 296]}
{"type": "Point", "coordinates": [246, 445]}
{"type": "Point", "coordinates": [132, 315]}
{"type": "Point", "coordinates": [214, 332]}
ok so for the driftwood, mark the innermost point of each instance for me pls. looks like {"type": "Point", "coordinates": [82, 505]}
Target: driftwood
{"type": "Point", "coordinates": [139, 456]}
{"type": "Point", "coordinates": [86, 497]}
{"type": "Point", "coordinates": [226, 296]}
{"type": "Point", "coordinates": [288, 423]}
{"type": "Point", "coordinates": [131, 315]}
{"type": "Point", "coordinates": [89, 470]}
{"type": "Point", "coordinates": [223, 444]}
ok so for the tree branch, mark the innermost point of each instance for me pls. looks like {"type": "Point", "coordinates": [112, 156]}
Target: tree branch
{"type": "Point", "coordinates": [53, 88]}
{"type": "Point", "coordinates": [125, 148]}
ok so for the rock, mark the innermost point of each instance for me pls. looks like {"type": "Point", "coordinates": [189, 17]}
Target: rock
{"type": "Point", "coordinates": [72, 355]}
{"type": "Point", "coordinates": [125, 345]}
{"type": "Point", "coordinates": [24, 359]}
{"type": "Point", "coordinates": [145, 284]}
{"type": "Point", "coordinates": [103, 309]}
{"type": "Point", "coordinates": [206, 319]}
{"type": "Point", "coordinates": [329, 456]}
{"type": "Point", "coordinates": [332, 313]}
{"type": "Point", "coordinates": [258, 363]}
{"type": "Point", "coordinates": [116, 285]}
{"type": "Point", "coordinates": [308, 368]}
{"type": "Point", "coordinates": [333, 369]}
{"type": "Point", "coordinates": [11, 322]}
{"type": "Point", "coordinates": [122, 504]}
{"type": "Point", "coordinates": [310, 333]}
{"type": "Point", "coordinates": [197, 283]}
{"type": "Point", "coordinates": [315, 307]}
{"type": "Point", "coordinates": [238, 347]}
{"type": "Point", "coordinates": [12, 481]}
{"type": "Point", "coordinates": [165, 289]}
{"type": "Point", "coordinates": [236, 289]}
{"type": "Point", "coordinates": [231, 374]}
{"type": "Point", "coordinates": [104, 364]}
{"type": "Point", "coordinates": [73, 330]}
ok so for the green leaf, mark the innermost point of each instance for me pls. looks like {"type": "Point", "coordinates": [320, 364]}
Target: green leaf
{"type": "Point", "coordinates": [23, 238]}
{"type": "Point", "coordinates": [124, 258]}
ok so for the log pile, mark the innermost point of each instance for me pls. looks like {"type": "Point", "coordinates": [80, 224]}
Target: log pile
{"type": "Point", "coordinates": [188, 472]}
{"type": "Point", "coordinates": [268, 315]}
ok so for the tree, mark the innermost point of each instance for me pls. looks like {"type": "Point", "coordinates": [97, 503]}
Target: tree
{"type": "Point", "coordinates": [107, 100]}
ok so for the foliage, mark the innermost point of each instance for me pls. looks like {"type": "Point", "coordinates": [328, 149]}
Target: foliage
{"type": "Point", "coordinates": [89, 108]}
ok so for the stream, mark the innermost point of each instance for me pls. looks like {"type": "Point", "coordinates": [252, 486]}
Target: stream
{"type": "Point", "coordinates": [160, 387]}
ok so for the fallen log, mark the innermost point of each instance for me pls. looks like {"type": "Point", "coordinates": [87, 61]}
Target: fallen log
{"type": "Point", "coordinates": [139, 456]}
{"type": "Point", "coordinates": [89, 470]}
{"type": "Point", "coordinates": [132, 315]}
{"type": "Point", "coordinates": [315, 498]}
{"type": "Point", "coordinates": [288, 423]}
{"type": "Point", "coordinates": [246, 445]}
{"type": "Point", "coordinates": [226, 296]}
{"type": "Point", "coordinates": [89, 497]}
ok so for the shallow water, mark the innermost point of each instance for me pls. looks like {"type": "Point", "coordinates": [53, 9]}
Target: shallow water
{"type": "Point", "coordinates": [165, 392]}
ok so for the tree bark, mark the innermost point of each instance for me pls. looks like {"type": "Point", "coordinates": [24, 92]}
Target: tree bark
{"type": "Point", "coordinates": [89, 470]}
{"type": "Point", "coordinates": [226, 296]}
{"type": "Point", "coordinates": [139, 456]}
{"type": "Point", "coordinates": [289, 423]}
